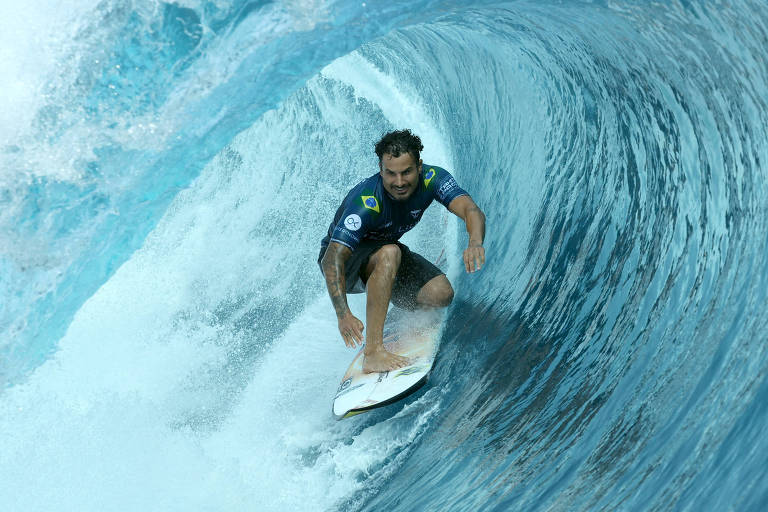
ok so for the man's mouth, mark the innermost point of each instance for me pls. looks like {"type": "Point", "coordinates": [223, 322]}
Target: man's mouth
{"type": "Point", "coordinates": [400, 190]}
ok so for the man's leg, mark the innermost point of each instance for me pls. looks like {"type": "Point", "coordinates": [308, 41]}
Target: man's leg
{"type": "Point", "coordinates": [420, 284]}
{"type": "Point", "coordinates": [437, 293]}
{"type": "Point", "coordinates": [381, 271]}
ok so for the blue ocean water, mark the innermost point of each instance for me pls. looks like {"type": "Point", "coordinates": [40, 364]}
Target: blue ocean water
{"type": "Point", "coordinates": [168, 169]}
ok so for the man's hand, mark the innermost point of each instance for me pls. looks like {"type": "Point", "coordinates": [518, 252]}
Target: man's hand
{"type": "Point", "coordinates": [474, 218]}
{"type": "Point", "coordinates": [474, 257]}
{"type": "Point", "coordinates": [351, 329]}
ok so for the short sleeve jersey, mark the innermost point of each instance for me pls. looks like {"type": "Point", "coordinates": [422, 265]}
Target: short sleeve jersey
{"type": "Point", "coordinates": [368, 212]}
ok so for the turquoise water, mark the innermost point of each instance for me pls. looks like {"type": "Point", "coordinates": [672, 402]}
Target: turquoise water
{"type": "Point", "coordinates": [169, 169]}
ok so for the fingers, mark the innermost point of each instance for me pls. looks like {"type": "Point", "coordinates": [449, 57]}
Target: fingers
{"type": "Point", "coordinates": [357, 335]}
{"type": "Point", "coordinates": [469, 260]}
{"type": "Point", "coordinates": [356, 332]}
{"type": "Point", "coordinates": [351, 338]}
{"type": "Point", "coordinates": [474, 258]}
{"type": "Point", "coordinates": [351, 331]}
{"type": "Point", "coordinates": [479, 258]}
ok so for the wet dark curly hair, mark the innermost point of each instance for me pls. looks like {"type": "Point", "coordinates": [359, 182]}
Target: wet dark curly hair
{"type": "Point", "coordinates": [398, 142]}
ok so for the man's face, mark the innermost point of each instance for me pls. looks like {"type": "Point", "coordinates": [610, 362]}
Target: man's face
{"type": "Point", "coordinates": [400, 175]}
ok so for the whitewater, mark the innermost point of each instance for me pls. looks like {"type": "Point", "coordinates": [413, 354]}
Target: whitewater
{"type": "Point", "coordinates": [167, 170]}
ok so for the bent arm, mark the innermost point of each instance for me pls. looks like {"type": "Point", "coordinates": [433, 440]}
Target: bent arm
{"type": "Point", "coordinates": [473, 217]}
{"type": "Point", "coordinates": [333, 265]}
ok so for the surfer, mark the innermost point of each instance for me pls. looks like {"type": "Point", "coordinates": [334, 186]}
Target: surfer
{"type": "Point", "coordinates": [361, 252]}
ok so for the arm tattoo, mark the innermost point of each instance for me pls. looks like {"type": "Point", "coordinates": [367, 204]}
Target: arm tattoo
{"type": "Point", "coordinates": [333, 267]}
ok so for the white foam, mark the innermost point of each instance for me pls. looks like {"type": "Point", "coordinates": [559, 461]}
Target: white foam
{"type": "Point", "coordinates": [163, 396]}
{"type": "Point", "coordinates": [33, 37]}
{"type": "Point", "coordinates": [398, 102]}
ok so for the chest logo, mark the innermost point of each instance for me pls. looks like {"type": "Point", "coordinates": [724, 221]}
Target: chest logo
{"type": "Point", "coordinates": [353, 222]}
{"type": "Point", "coordinates": [415, 213]}
{"type": "Point", "coordinates": [371, 203]}
{"type": "Point", "coordinates": [429, 175]}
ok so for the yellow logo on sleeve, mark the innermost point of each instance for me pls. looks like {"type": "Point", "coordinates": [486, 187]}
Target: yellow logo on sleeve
{"type": "Point", "coordinates": [428, 176]}
{"type": "Point", "coordinates": [371, 203]}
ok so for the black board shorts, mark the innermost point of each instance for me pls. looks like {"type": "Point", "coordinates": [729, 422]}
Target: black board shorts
{"type": "Point", "coordinates": [414, 272]}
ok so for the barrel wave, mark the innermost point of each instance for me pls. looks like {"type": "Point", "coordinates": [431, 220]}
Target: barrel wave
{"type": "Point", "coordinates": [167, 342]}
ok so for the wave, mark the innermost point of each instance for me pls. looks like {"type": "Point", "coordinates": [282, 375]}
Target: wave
{"type": "Point", "coordinates": [166, 322]}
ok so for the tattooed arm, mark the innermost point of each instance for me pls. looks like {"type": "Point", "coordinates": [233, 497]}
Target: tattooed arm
{"type": "Point", "coordinates": [350, 327]}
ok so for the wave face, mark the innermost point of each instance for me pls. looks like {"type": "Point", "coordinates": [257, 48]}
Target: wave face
{"type": "Point", "coordinates": [167, 343]}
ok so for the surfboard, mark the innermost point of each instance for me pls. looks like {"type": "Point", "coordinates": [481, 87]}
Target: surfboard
{"type": "Point", "coordinates": [414, 335]}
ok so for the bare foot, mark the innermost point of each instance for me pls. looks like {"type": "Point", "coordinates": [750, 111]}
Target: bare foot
{"type": "Point", "coordinates": [383, 361]}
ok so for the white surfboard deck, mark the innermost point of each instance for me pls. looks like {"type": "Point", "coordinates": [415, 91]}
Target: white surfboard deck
{"type": "Point", "coordinates": [414, 335]}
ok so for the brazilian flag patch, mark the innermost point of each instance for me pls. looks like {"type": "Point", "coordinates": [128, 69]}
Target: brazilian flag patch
{"type": "Point", "coordinates": [431, 173]}
{"type": "Point", "coordinates": [371, 203]}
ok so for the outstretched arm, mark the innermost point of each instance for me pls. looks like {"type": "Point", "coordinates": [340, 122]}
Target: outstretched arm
{"type": "Point", "coordinates": [350, 327]}
{"type": "Point", "coordinates": [474, 218]}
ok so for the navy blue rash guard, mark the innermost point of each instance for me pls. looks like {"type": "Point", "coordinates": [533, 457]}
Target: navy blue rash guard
{"type": "Point", "coordinates": [369, 212]}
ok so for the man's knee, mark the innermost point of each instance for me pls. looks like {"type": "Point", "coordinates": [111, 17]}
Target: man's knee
{"type": "Point", "coordinates": [449, 294]}
{"type": "Point", "coordinates": [386, 258]}
{"type": "Point", "coordinates": [444, 293]}
{"type": "Point", "coordinates": [437, 293]}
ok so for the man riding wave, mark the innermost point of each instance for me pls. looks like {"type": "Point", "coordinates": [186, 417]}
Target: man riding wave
{"type": "Point", "coordinates": [361, 252]}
